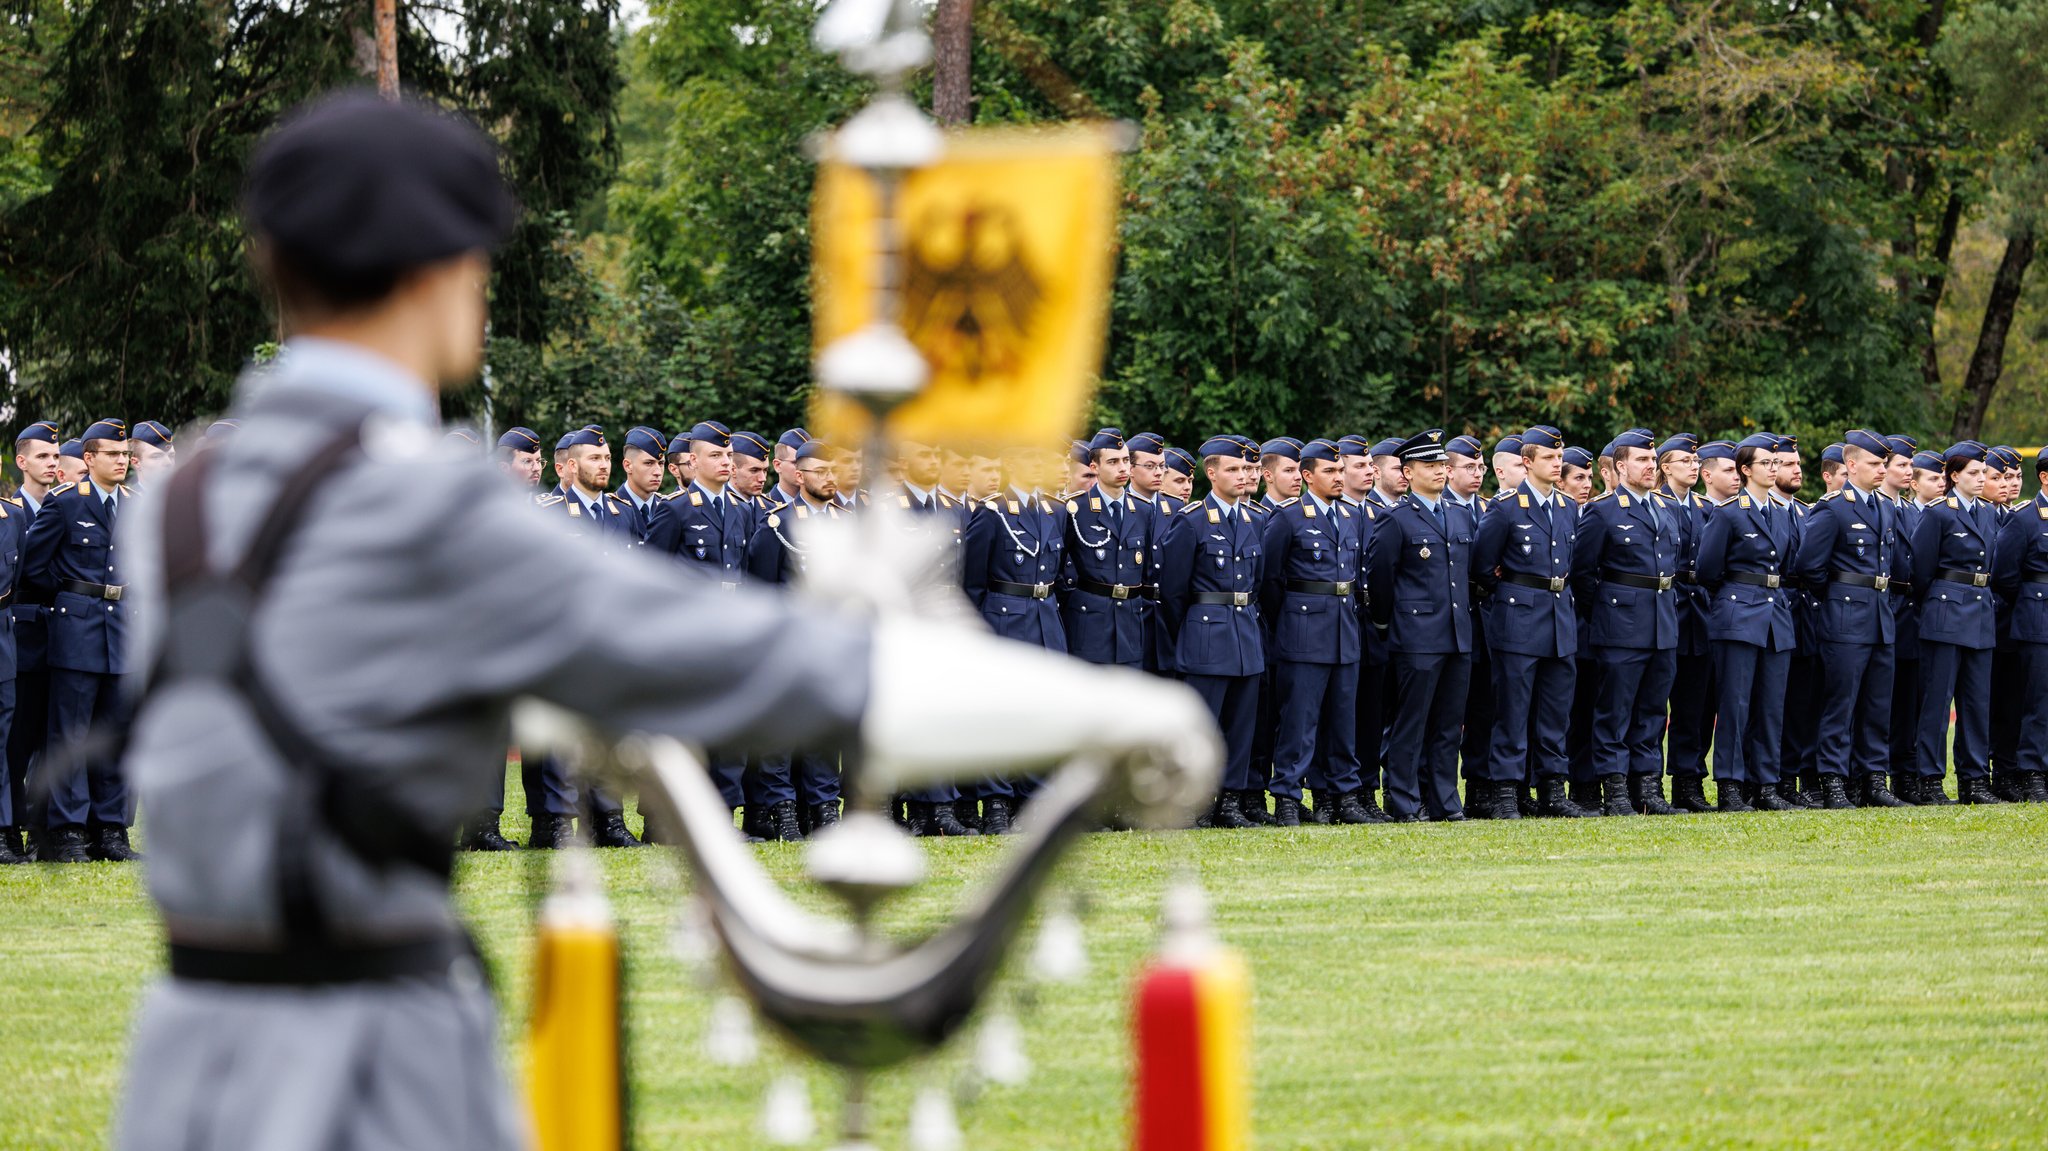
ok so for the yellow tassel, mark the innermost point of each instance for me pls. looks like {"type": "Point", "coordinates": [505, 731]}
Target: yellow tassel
{"type": "Point", "coordinates": [575, 1072]}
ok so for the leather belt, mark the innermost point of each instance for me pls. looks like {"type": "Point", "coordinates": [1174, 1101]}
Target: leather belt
{"type": "Point", "coordinates": [424, 958]}
{"type": "Point", "coordinates": [92, 590]}
{"type": "Point", "coordinates": [1232, 598]}
{"type": "Point", "coordinates": [1647, 583]}
{"type": "Point", "coordinates": [1855, 579]}
{"type": "Point", "coordinates": [2037, 577]}
{"type": "Point", "coordinates": [1321, 587]}
{"type": "Point", "coordinates": [1540, 583]}
{"type": "Point", "coordinates": [1026, 590]}
{"type": "Point", "coordinates": [1958, 575]}
{"type": "Point", "coordinates": [1757, 579]}
{"type": "Point", "coordinates": [1691, 578]}
{"type": "Point", "coordinates": [1116, 590]}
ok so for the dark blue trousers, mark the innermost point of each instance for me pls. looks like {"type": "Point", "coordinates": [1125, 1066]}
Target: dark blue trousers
{"type": "Point", "coordinates": [1694, 699]}
{"type": "Point", "coordinates": [1532, 712]}
{"type": "Point", "coordinates": [1628, 710]}
{"type": "Point", "coordinates": [1422, 744]}
{"type": "Point", "coordinates": [1799, 739]}
{"type": "Point", "coordinates": [1317, 739]}
{"type": "Point", "coordinates": [10, 814]}
{"type": "Point", "coordinates": [817, 779]}
{"type": "Point", "coordinates": [1750, 720]}
{"type": "Point", "coordinates": [549, 790]}
{"type": "Point", "coordinates": [1963, 675]}
{"type": "Point", "coordinates": [769, 780]}
{"type": "Point", "coordinates": [1904, 719]}
{"type": "Point", "coordinates": [1370, 727]}
{"type": "Point", "coordinates": [1578, 738]}
{"type": "Point", "coordinates": [98, 794]}
{"type": "Point", "coordinates": [1475, 751]}
{"type": "Point", "coordinates": [2006, 705]}
{"type": "Point", "coordinates": [2032, 659]}
{"type": "Point", "coordinates": [1234, 701]}
{"type": "Point", "coordinates": [1854, 732]}
{"type": "Point", "coordinates": [25, 742]}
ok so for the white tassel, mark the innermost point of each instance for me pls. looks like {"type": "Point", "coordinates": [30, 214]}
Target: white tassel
{"type": "Point", "coordinates": [786, 1117]}
{"type": "Point", "coordinates": [1060, 956]}
{"type": "Point", "coordinates": [933, 1126]}
{"type": "Point", "coordinates": [731, 1042]}
{"type": "Point", "coordinates": [999, 1051]}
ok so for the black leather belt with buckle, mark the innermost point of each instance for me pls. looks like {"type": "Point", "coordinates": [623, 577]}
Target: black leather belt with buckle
{"type": "Point", "coordinates": [1232, 598]}
{"type": "Point", "coordinates": [1540, 583]}
{"type": "Point", "coordinates": [1113, 590]}
{"type": "Point", "coordinates": [1757, 579]}
{"type": "Point", "coordinates": [1856, 579]}
{"type": "Point", "coordinates": [2036, 577]}
{"type": "Point", "coordinates": [1958, 575]}
{"type": "Point", "coordinates": [94, 590]}
{"type": "Point", "coordinates": [1026, 590]}
{"type": "Point", "coordinates": [1320, 587]}
{"type": "Point", "coordinates": [1647, 583]}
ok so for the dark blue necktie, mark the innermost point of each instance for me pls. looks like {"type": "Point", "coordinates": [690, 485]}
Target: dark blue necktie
{"type": "Point", "coordinates": [1443, 523]}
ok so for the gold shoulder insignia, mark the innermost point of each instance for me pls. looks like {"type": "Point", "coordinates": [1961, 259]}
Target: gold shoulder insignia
{"type": "Point", "coordinates": [126, 490]}
{"type": "Point", "coordinates": [1308, 511]}
{"type": "Point", "coordinates": [576, 510]}
{"type": "Point", "coordinates": [1523, 499]}
{"type": "Point", "coordinates": [1290, 502]}
{"type": "Point", "coordinates": [1802, 503]}
{"type": "Point", "coordinates": [1094, 504]}
{"type": "Point", "coordinates": [1954, 502]}
{"type": "Point", "coordinates": [1370, 514]}
{"type": "Point", "coordinates": [1606, 494]}
{"type": "Point", "coordinates": [696, 499]}
{"type": "Point", "coordinates": [1012, 505]}
{"type": "Point", "coordinates": [1214, 516]}
{"type": "Point", "coordinates": [1619, 499]}
{"type": "Point", "coordinates": [60, 489]}
{"type": "Point", "coordinates": [802, 512]}
{"type": "Point", "coordinates": [1045, 507]}
{"type": "Point", "coordinates": [16, 501]}
{"type": "Point", "coordinates": [1343, 511]}
{"type": "Point", "coordinates": [548, 501]}
{"type": "Point", "coordinates": [2044, 511]}
{"type": "Point", "coordinates": [1190, 509]}
{"type": "Point", "coordinates": [1661, 501]}
{"type": "Point", "coordinates": [1745, 500]}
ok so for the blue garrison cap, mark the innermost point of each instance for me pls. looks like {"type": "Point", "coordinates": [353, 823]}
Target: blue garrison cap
{"type": "Point", "coordinates": [587, 436]}
{"type": "Point", "coordinates": [1902, 445]}
{"type": "Point", "coordinates": [106, 430]}
{"type": "Point", "coordinates": [1510, 444]}
{"type": "Point", "coordinates": [520, 440]}
{"type": "Point", "coordinates": [711, 432]}
{"type": "Point", "coordinates": [792, 439]}
{"type": "Point", "coordinates": [1866, 439]}
{"type": "Point", "coordinates": [1180, 461]}
{"type": "Point", "coordinates": [1353, 446]}
{"type": "Point", "coordinates": [1717, 450]}
{"type": "Point", "coordinates": [1578, 458]}
{"type": "Point", "coordinates": [2003, 458]}
{"type": "Point", "coordinates": [1787, 444]}
{"type": "Point", "coordinates": [1387, 447]}
{"type": "Point", "coordinates": [2041, 460]}
{"type": "Point", "coordinates": [1236, 447]}
{"type": "Point", "coordinates": [1682, 442]}
{"type": "Point", "coordinates": [463, 435]}
{"type": "Point", "coordinates": [1965, 451]}
{"type": "Point", "coordinates": [1286, 446]}
{"type": "Point", "coordinates": [813, 450]}
{"type": "Point", "coordinates": [1542, 436]}
{"type": "Point", "coordinates": [649, 440]}
{"type": "Point", "coordinates": [1761, 441]}
{"type": "Point", "coordinates": [1107, 440]}
{"type": "Point", "coordinates": [751, 444]}
{"type": "Point", "coordinates": [1151, 442]}
{"type": "Point", "coordinates": [1315, 450]}
{"type": "Point", "coordinates": [1833, 452]}
{"type": "Point", "coordinates": [1465, 446]}
{"type": "Point", "coordinates": [679, 444]}
{"type": "Point", "coordinates": [1423, 447]}
{"type": "Point", "coordinates": [1927, 461]}
{"type": "Point", "coordinates": [222, 428]}
{"type": "Point", "coordinates": [1632, 438]}
{"type": "Point", "coordinates": [1077, 450]}
{"type": "Point", "coordinates": [73, 448]}
{"type": "Point", "coordinates": [40, 430]}
{"type": "Point", "coordinates": [152, 433]}
{"type": "Point", "coordinates": [355, 183]}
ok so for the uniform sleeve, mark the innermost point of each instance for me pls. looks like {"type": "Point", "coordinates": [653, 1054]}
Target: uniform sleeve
{"type": "Point", "coordinates": [1713, 554]}
{"type": "Point", "coordinates": [1380, 557]}
{"type": "Point", "coordinates": [664, 533]}
{"type": "Point", "coordinates": [1176, 573]}
{"type": "Point", "coordinates": [1926, 550]}
{"type": "Point", "coordinates": [1276, 540]}
{"type": "Point", "coordinates": [764, 555]}
{"type": "Point", "coordinates": [974, 546]}
{"type": "Point", "coordinates": [39, 548]}
{"type": "Point", "coordinates": [1815, 547]}
{"type": "Point", "coordinates": [1588, 557]}
{"type": "Point", "coordinates": [2006, 561]}
{"type": "Point", "coordinates": [1487, 544]}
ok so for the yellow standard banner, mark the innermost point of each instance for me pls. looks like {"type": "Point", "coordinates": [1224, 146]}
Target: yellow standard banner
{"type": "Point", "coordinates": [1005, 269]}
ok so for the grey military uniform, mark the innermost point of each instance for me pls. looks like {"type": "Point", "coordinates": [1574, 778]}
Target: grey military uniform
{"type": "Point", "coordinates": [400, 626]}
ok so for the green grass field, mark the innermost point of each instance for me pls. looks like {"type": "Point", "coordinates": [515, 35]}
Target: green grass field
{"type": "Point", "coordinates": [1868, 979]}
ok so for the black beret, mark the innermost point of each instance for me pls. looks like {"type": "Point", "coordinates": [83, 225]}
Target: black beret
{"type": "Point", "coordinates": [356, 183]}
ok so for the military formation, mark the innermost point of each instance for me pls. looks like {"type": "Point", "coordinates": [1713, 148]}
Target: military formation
{"type": "Point", "coordinates": [1377, 640]}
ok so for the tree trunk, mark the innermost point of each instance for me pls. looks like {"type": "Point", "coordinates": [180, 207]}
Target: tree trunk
{"type": "Point", "coordinates": [387, 48]}
{"type": "Point", "coordinates": [1936, 284]}
{"type": "Point", "coordinates": [953, 61]}
{"type": "Point", "coordinates": [1988, 360]}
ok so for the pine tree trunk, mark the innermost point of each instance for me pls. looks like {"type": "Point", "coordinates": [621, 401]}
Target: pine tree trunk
{"type": "Point", "coordinates": [1988, 360]}
{"type": "Point", "coordinates": [953, 61]}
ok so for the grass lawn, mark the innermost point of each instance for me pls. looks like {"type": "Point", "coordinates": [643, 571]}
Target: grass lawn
{"type": "Point", "coordinates": [1857, 980]}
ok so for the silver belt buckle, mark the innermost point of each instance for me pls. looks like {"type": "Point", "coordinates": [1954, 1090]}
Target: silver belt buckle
{"type": "Point", "coordinates": [1771, 581]}
{"type": "Point", "coordinates": [1883, 583]}
{"type": "Point", "coordinates": [1240, 598]}
{"type": "Point", "coordinates": [1040, 590]}
{"type": "Point", "coordinates": [1344, 587]}
{"type": "Point", "coordinates": [1557, 584]}
{"type": "Point", "coordinates": [1981, 579]}
{"type": "Point", "coordinates": [1664, 582]}
{"type": "Point", "coordinates": [113, 591]}
{"type": "Point", "coordinates": [1119, 591]}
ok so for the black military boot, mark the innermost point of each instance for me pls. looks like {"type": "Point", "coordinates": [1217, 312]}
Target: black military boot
{"type": "Point", "coordinates": [1556, 802]}
{"type": "Point", "coordinates": [1805, 798]}
{"type": "Point", "coordinates": [1769, 797]}
{"type": "Point", "coordinates": [483, 835]}
{"type": "Point", "coordinates": [1730, 798]}
{"type": "Point", "coordinates": [111, 844]}
{"type": "Point", "coordinates": [1252, 805]}
{"type": "Point", "coordinates": [940, 820]}
{"type": "Point", "coordinates": [824, 815]}
{"type": "Point", "coordinates": [2005, 784]}
{"type": "Point", "coordinates": [1230, 812]}
{"type": "Point", "coordinates": [1322, 806]}
{"type": "Point", "coordinates": [609, 830]}
{"type": "Point", "coordinates": [967, 810]}
{"type": "Point", "coordinates": [1525, 800]}
{"type": "Point", "coordinates": [1346, 808]}
{"type": "Point", "coordinates": [1286, 812]}
{"type": "Point", "coordinates": [1504, 801]}
{"type": "Point", "coordinates": [1586, 795]}
{"type": "Point", "coordinates": [2033, 787]}
{"type": "Point", "coordinates": [1689, 794]}
{"type": "Point", "coordinates": [1374, 813]}
{"type": "Point", "coordinates": [1647, 792]}
{"type": "Point", "coordinates": [1933, 792]}
{"type": "Point", "coordinates": [1906, 787]}
{"type": "Point", "coordinates": [783, 821]}
{"type": "Point", "coordinates": [1479, 798]}
{"type": "Point", "coordinates": [1833, 794]}
{"type": "Point", "coordinates": [550, 832]}
{"type": "Point", "coordinates": [64, 845]}
{"type": "Point", "coordinates": [10, 847]}
{"type": "Point", "coordinates": [1976, 791]}
{"type": "Point", "coordinates": [1876, 795]}
{"type": "Point", "coordinates": [1614, 798]}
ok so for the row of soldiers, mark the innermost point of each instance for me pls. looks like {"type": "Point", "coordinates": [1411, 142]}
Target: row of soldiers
{"type": "Point", "coordinates": [1380, 642]}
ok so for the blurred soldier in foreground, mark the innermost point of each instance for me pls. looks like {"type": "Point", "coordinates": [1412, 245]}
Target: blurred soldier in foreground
{"type": "Point", "coordinates": [322, 994]}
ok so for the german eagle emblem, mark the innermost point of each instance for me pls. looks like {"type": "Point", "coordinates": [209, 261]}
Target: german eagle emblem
{"type": "Point", "coordinates": [969, 296]}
